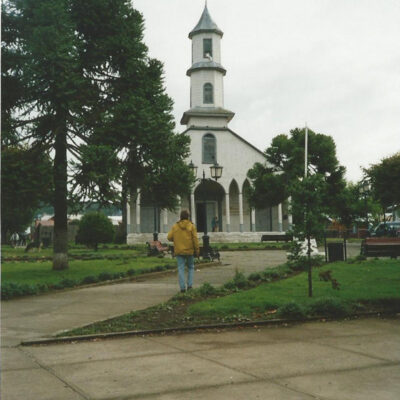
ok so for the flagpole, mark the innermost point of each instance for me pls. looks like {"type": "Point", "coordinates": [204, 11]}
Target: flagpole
{"type": "Point", "coordinates": [306, 152]}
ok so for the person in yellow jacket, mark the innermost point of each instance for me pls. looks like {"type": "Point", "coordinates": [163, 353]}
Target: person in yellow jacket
{"type": "Point", "coordinates": [186, 246]}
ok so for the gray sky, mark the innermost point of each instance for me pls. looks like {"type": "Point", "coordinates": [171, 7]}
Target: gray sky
{"type": "Point", "coordinates": [334, 64]}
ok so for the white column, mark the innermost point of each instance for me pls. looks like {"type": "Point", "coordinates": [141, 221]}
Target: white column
{"type": "Point", "coordinates": [128, 214]}
{"type": "Point", "coordinates": [138, 211]}
{"type": "Point", "coordinates": [280, 220]}
{"type": "Point", "coordinates": [290, 216]}
{"type": "Point", "coordinates": [165, 220]}
{"type": "Point", "coordinates": [241, 212]}
{"type": "Point", "coordinates": [253, 219]}
{"type": "Point", "coordinates": [192, 206]}
{"type": "Point", "coordinates": [228, 213]}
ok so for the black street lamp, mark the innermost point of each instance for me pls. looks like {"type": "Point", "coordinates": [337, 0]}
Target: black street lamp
{"type": "Point", "coordinates": [216, 173]}
{"type": "Point", "coordinates": [365, 188]}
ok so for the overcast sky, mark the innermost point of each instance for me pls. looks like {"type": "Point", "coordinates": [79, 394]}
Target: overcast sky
{"type": "Point", "coordinates": [334, 64]}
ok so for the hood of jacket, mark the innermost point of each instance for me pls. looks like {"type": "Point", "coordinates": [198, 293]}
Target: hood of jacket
{"type": "Point", "coordinates": [185, 224]}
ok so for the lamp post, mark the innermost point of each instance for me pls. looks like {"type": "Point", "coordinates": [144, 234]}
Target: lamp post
{"type": "Point", "coordinates": [365, 190]}
{"type": "Point", "coordinates": [216, 173]}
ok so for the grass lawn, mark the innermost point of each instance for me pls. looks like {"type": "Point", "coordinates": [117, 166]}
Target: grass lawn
{"type": "Point", "coordinates": [19, 252]}
{"type": "Point", "coordinates": [21, 278]}
{"type": "Point", "coordinates": [366, 285]}
{"type": "Point", "coordinates": [361, 282]}
{"type": "Point", "coordinates": [41, 272]}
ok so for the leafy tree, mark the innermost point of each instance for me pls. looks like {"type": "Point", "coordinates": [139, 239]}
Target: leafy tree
{"type": "Point", "coordinates": [353, 205]}
{"type": "Point", "coordinates": [285, 165]}
{"type": "Point", "coordinates": [384, 178]}
{"type": "Point", "coordinates": [309, 212]}
{"type": "Point", "coordinates": [26, 182]}
{"type": "Point", "coordinates": [95, 228]}
{"type": "Point", "coordinates": [89, 93]}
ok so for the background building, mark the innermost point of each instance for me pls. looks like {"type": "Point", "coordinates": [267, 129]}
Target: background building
{"type": "Point", "coordinates": [212, 142]}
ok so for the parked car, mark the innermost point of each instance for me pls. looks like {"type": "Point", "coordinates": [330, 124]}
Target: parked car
{"type": "Point", "coordinates": [386, 229]}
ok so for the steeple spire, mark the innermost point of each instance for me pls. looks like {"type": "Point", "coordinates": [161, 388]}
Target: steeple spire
{"type": "Point", "coordinates": [205, 24]}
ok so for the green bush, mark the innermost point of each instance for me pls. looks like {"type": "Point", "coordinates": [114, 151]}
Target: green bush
{"type": "Point", "coordinates": [11, 289]}
{"type": "Point", "coordinates": [89, 279]}
{"type": "Point", "coordinates": [291, 310]}
{"type": "Point", "coordinates": [105, 276]}
{"type": "Point", "coordinates": [255, 277]}
{"type": "Point", "coordinates": [95, 228]}
{"type": "Point", "coordinates": [329, 307]}
{"type": "Point", "coordinates": [68, 283]}
{"type": "Point", "coordinates": [206, 289]}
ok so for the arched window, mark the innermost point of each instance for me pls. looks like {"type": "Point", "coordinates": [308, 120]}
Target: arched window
{"type": "Point", "coordinates": [209, 149]}
{"type": "Point", "coordinates": [208, 95]}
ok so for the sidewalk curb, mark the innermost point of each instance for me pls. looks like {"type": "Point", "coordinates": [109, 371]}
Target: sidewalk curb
{"type": "Point", "coordinates": [184, 329]}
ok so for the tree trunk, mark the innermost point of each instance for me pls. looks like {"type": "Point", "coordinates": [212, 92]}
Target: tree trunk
{"type": "Point", "coordinates": [60, 245]}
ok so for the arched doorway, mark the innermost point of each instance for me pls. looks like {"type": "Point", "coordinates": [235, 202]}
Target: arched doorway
{"type": "Point", "coordinates": [208, 198]}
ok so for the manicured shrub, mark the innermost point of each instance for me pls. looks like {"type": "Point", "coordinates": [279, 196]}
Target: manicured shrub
{"type": "Point", "coordinates": [131, 272]}
{"type": "Point", "coordinates": [329, 307]}
{"type": "Point", "coordinates": [10, 290]}
{"type": "Point", "coordinates": [105, 276]}
{"type": "Point", "coordinates": [255, 277]}
{"type": "Point", "coordinates": [240, 280]}
{"type": "Point", "coordinates": [206, 289]}
{"type": "Point", "coordinates": [89, 279]}
{"type": "Point", "coordinates": [291, 310]}
{"type": "Point", "coordinates": [95, 228]}
{"type": "Point", "coordinates": [65, 283]}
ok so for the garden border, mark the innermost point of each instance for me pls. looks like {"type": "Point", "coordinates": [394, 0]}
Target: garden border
{"type": "Point", "coordinates": [189, 329]}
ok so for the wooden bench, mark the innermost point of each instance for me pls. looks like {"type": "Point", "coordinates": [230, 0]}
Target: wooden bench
{"type": "Point", "coordinates": [156, 248]}
{"type": "Point", "coordinates": [381, 247]}
{"type": "Point", "coordinates": [276, 238]}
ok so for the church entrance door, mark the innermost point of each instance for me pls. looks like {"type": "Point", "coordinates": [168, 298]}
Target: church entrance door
{"type": "Point", "coordinates": [201, 215]}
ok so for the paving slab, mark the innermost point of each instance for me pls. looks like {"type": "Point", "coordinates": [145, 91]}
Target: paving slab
{"type": "Point", "coordinates": [288, 359]}
{"type": "Point", "coordinates": [384, 346]}
{"type": "Point", "coordinates": [139, 376]}
{"type": "Point", "coordinates": [35, 384]}
{"type": "Point", "coordinates": [97, 350]}
{"type": "Point", "coordinates": [376, 383]}
{"type": "Point", "coordinates": [239, 391]}
{"type": "Point", "coordinates": [14, 358]}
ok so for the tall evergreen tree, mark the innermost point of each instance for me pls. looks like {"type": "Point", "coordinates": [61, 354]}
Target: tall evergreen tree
{"type": "Point", "coordinates": [91, 94]}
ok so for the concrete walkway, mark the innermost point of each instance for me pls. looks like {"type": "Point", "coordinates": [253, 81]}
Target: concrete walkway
{"type": "Point", "coordinates": [354, 360]}
{"type": "Point", "coordinates": [42, 316]}
{"type": "Point", "coordinates": [336, 360]}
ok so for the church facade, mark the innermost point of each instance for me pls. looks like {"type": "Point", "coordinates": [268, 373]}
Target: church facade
{"type": "Point", "coordinates": [212, 142]}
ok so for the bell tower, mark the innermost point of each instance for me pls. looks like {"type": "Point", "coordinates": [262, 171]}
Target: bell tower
{"type": "Point", "coordinates": [206, 77]}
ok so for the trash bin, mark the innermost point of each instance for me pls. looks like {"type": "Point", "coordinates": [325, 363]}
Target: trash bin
{"type": "Point", "coordinates": [335, 252]}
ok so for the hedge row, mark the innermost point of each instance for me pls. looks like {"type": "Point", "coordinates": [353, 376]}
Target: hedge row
{"type": "Point", "coordinates": [11, 290]}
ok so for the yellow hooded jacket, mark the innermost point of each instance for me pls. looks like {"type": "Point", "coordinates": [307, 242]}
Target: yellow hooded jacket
{"type": "Point", "coordinates": [184, 236]}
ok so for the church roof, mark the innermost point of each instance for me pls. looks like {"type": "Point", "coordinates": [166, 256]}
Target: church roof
{"type": "Point", "coordinates": [206, 112]}
{"type": "Point", "coordinates": [205, 24]}
{"type": "Point", "coordinates": [206, 65]}
{"type": "Point", "coordinates": [206, 128]}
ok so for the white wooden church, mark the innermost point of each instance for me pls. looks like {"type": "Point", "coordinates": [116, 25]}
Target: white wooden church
{"type": "Point", "coordinates": [211, 142]}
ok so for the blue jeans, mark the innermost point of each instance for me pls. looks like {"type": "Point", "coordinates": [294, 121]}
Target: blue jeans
{"type": "Point", "coordinates": [182, 261]}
